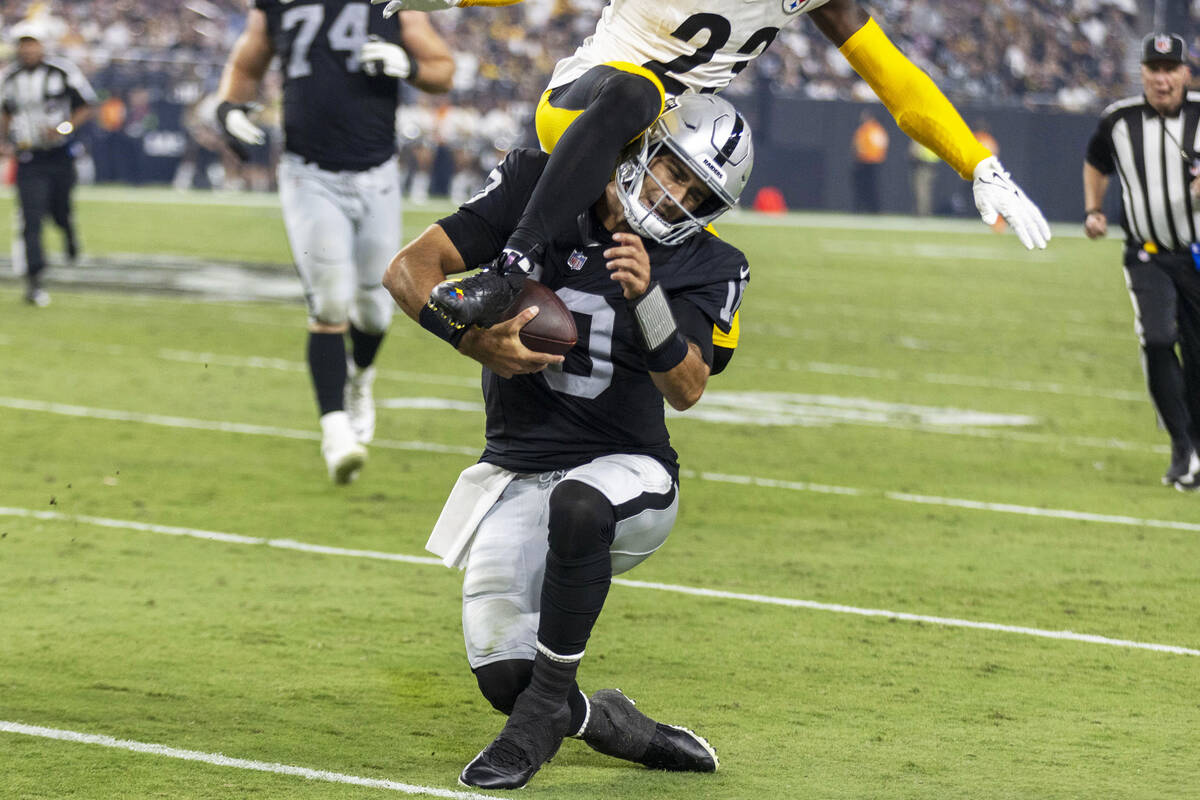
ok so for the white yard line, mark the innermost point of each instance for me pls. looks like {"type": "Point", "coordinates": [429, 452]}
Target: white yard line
{"type": "Point", "coordinates": [794, 219]}
{"type": "Point", "coordinates": [973, 381]}
{"type": "Point", "coordinates": [220, 760]}
{"type": "Point", "coordinates": [789, 365]}
{"type": "Point", "coordinates": [431, 447]}
{"type": "Point", "coordinates": [215, 425]}
{"type": "Point", "coordinates": [233, 538]}
{"type": "Point", "coordinates": [86, 412]}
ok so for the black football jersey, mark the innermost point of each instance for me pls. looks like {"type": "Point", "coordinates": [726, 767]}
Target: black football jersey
{"type": "Point", "coordinates": [602, 400]}
{"type": "Point", "coordinates": [334, 114]}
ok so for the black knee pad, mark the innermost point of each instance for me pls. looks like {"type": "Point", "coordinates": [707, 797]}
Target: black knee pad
{"type": "Point", "coordinates": [501, 681]}
{"type": "Point", "coordinates": [582, 521]}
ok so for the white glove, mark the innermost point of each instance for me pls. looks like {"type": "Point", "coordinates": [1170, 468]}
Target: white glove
{"type": "Point", "coordinates": [237, 124]}
{"type": "Point", "coordinates": [378, 56]}
{"type": "Point", "coordinates": [238, 129]}
{"type": "Point", "coordinates": [996, 194]}
{"type": "Point", "coordinates": [414, 5]}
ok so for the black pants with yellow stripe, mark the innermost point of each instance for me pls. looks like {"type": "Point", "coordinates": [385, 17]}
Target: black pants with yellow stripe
{"type": "Point", "coordinates": [584, 125]}
{"type": "Point", "coordinates": [1165, 290]}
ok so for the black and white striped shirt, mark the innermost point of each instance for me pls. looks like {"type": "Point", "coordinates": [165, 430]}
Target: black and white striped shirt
{"type": "Point", "coordinates": [40, 98]}
{"type": "Point", "coordinates": [1156, 158]}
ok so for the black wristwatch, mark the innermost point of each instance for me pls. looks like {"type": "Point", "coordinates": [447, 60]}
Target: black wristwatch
{"type": "Point", "coordinates": [1088, 212]}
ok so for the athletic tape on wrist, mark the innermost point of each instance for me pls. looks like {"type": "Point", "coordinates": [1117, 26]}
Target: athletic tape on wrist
{"type": "Point", "coordinates": [654, 318]}
{"type": "Point", "coordinates": [440, 325]}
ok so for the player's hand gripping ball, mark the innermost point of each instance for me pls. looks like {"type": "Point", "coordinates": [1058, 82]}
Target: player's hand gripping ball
{"type": "Point", "coordinates": [553, 329]}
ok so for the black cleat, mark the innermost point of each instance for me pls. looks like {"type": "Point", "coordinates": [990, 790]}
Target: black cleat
{"type": "Point", "coordinates": [1184, 465]}
{"type": "Point", "coordinates": [616, 728]}
{"type": "Point", "coordinates": [530, 738]}
{"type": "Point", "coordinates": [481, 299]}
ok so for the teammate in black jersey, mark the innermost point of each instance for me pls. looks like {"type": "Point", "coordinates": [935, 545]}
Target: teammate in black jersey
{"type": "Point", "coordinates": [338, 179]}
{"type": "Point", "coordinates": [578, 480]}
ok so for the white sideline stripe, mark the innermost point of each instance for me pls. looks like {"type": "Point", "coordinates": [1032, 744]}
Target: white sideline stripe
{"type": "Point", "coordinates": [663, 587]}
{"type": "Point", "coordinates": [429, 447]}
{"type": "Point", "coordinates": [954, 502]}
{"type": "Point", "coordinates": [963, 380]}
{"type": "Point", "coordinates": [877, 612]}
{"type": "Point", "coordinates": [215, 536]}
{"type": "Point", "coordinates": [220, 760]}
{"type": "Point", "coordinates": [267, 430]}
{"type": "Point", "coordinates": [738, 216]}
{"type": "Point", "coordinates": [1008, 508]}
{"type": "Point", "coordinates": [283, 365]}
{"type": "Point", "coordinates": [216, 425]}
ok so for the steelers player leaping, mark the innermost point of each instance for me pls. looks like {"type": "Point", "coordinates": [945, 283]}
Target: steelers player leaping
{"type": "Point", "coordinates": [614, 85]}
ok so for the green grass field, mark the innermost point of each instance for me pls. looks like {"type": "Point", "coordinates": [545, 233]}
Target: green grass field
{"type": "Point", "coordinates": [842, 465]}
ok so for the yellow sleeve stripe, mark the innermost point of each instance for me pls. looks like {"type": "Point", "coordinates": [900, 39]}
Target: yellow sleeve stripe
{"type": "Point", "coordinates": [919, 107]}
{"type": "Point", "coordinates": [728, 340]}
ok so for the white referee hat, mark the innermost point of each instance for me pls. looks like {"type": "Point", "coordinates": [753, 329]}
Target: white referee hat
{"type": "Point", "coordinates": [28, 29]}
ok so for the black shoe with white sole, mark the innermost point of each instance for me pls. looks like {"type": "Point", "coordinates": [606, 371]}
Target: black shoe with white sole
{"type": "Point", "coordinates": [1183, 463]}
{"type": "Point", "coordinates": [616, 728]}
{"type": "Point", "coordinates": [530, 738]}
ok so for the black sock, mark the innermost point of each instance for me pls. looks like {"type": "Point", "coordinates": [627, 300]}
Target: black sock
{"type": "Point", "coordinates": [585, 156]}
{"type": "Point", "coordinates": [1164, 378]}
{"type": "Point", "coordinates": [502, 681]}
{"type": "Point", "coordinates": [553, 679]}
{"type": "Point", "coordinates": [364, 346]}
{"type": "Point", "coordinates": [327, 363]}
{"type": "Point", "coordinates": [573, 594]}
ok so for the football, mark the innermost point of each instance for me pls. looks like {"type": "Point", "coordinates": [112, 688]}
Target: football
{"type": "Point", "coordinates": [553, 329]}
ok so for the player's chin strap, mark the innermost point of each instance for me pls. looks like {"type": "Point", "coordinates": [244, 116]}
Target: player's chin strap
{"type": "Point", "coordinates": [660, 337]}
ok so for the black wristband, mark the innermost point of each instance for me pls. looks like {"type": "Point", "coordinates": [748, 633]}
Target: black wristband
{"type": "Point", "coordinates": [1088, 212]}
{"type": "Point", "coordinates": [440, 325]}
{"type": "Point", "coordinates": [412, 68]}
{"type": "Point", "coordinates": [669, 356]}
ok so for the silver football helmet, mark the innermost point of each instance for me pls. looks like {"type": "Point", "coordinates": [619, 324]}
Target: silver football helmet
{"type": "Point", "coordinates": [713, 140]}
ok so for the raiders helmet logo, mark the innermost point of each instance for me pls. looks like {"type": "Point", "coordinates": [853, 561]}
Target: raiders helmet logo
{"type": "Point", "coordinates": [1162, 44]}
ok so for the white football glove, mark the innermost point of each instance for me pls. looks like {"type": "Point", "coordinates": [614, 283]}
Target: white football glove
{"type": "Point", "coordinates": [996, 194]}
{"type": "Point", "coordinates": [380, 57]}
{"type": "Point", "coordinates": [414, 5]}
{"type": "Point", "coordinates": [238, 129]}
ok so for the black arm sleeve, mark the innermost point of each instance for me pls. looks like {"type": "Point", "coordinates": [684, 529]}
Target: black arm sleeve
{"type": "Point", "coordinates": [1099, 151]}
{"type": "Point", "coordinates": [480, 228]}
{"type": "Point", "coordinates": [695, 327]}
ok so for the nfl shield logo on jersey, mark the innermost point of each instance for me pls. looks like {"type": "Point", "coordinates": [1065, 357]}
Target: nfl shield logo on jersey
{"type": "Point", "coordinates": [576, 260]}
{"type": "Point", "coordinates": [793, 6]}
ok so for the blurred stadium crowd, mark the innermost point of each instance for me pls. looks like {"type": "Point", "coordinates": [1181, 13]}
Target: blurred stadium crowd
{"type": "Point", "coordinates": [155, 61]}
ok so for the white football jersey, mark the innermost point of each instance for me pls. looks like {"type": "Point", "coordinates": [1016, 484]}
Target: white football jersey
{"type": "Point", "coordinates": [693, 45]}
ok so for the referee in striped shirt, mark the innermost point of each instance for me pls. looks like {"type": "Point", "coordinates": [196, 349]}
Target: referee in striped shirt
{"type": "Point", "coordinates": [44, 101]}
{"type": "Point", "coordinates": [1152, 142]}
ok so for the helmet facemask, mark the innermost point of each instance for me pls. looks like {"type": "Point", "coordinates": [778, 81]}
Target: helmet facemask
{"type": "Point", "coordinates": [694, 130]}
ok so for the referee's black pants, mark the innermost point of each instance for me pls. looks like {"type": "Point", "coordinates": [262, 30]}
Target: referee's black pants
{"type": "Point", "coordinates": [1165, 290]}
{"type": "Point", "coordinates": [44, 183]}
